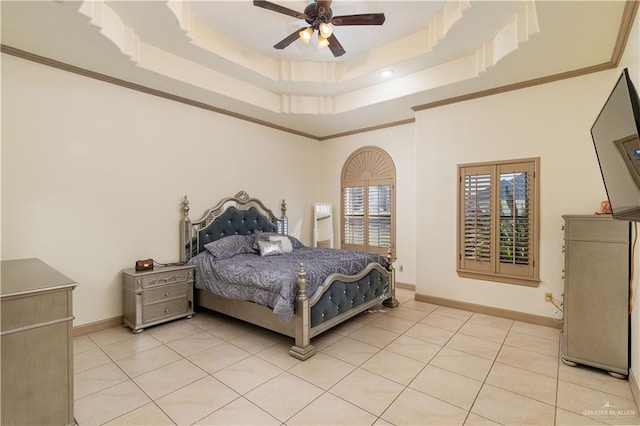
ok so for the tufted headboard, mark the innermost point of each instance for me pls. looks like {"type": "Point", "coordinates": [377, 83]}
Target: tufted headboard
{"type": "Point", "coordinates": [237, 215]}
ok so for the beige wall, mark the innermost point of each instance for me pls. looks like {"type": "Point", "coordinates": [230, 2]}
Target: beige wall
{"type": "Point", "coordinates": [93, 175]}
{"type": "Point", "coordinates": [552, 122]}
{"type": "Point", "coordinates": [399, 143]}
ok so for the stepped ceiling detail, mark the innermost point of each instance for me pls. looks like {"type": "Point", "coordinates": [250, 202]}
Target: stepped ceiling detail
{"type": "Point", "coordinates": [220, 55]}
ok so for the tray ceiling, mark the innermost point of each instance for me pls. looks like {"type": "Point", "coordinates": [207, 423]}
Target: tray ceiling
{"type": "Point", "coordinates": [219, 55]}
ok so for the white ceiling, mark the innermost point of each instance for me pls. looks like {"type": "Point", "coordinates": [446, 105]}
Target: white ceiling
{"type": "Point", "coordinates": [220, 54]}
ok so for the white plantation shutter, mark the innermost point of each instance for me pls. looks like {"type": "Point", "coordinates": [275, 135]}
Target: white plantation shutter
{"type": "Point", "coordinates": [515, 218]}
{"type": "Point", "coordinates": [354, 226]}
{"type": "Point", "coordinates": [368, 200]}
{"type": "Point", "coordinates": [379, 215]}
{"type": "Point", "coordinates": [477, 225]}
{"type": "Point", "coordinates": [498, 221]}
{"type": "Point", "coordinates": [367, 229]}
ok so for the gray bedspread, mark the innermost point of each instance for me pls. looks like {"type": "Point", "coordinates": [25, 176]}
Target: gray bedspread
{"type": "Point", "coordinates": [272, 281]}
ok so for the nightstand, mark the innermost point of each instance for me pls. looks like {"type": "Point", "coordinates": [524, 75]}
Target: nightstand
{"type": "Point", "coordinates": [157, 296]}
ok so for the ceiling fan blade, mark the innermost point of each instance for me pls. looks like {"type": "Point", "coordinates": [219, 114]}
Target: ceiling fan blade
{"type": "Point", "coordinates": [363, 19]}
{"type": "Point", "coordinates": [277, 8]}
{"type": "Point", "coordinates": [335, 46]}
{"type": "Point", "coordinates": [288, 39]}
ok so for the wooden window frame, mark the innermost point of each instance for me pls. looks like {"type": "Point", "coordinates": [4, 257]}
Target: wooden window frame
{"type": "Point", "coordinates": [492, 269]}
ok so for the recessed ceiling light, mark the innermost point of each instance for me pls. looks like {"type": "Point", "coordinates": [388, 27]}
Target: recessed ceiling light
{"type": "Point", "coordinates": [386, 73]}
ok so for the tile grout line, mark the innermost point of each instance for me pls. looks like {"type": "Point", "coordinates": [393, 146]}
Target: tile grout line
{"type": "Point", "coordinates": [129, 378]}
{"type": "Point", "coordinates": [132, 379]}
{"type": "Point", "coordinates": [425, 366]}
{"type": "Point", "coordinates": [487, 375]}
{"type": "Point", "coordinates": [457, 332]}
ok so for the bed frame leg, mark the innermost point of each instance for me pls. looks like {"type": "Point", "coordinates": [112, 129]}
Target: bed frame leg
{"type": "Point", "coordinates": [391, 302]}
{"type": "Point", "coordinates": [303, 349]}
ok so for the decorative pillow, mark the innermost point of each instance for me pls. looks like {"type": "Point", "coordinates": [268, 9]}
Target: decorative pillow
{"type": "Point", "coordinates": [287, 247]}
{"type": "Point", "coordinates": [270, 248]}
{"type": "Point", "coordinates": [265, 236]}
{"type": "Point", "coordinates": [230, 246]}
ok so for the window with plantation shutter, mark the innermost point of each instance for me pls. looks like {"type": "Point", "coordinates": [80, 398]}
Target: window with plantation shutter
{"type": "Point", "coordinates": [368, 201]}
{"type": "Point", "coordinates": [498, 221]}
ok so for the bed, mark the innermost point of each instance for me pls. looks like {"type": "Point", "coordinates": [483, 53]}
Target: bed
{"type": "Point", "coordinates": [291, 291]}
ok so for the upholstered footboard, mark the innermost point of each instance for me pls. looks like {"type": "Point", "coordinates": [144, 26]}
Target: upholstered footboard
{"type": "Point", "coordinates": [343, 297]}
{"type": "Point", "coordinates": [338, 299]}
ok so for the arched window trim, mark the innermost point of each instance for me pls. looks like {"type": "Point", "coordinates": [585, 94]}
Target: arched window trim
{"type": "Point", "coordinates": [372, 228]}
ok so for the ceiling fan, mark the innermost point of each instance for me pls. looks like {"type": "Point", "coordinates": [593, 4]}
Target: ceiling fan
{"type": "Point", "coordinates": [320, 17]}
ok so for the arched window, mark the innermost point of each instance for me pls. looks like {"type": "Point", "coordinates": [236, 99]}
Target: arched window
{"type": "Point", "coordinates": [368, 201]}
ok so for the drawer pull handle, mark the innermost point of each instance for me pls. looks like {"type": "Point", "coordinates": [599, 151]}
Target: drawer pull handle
{"type": "Point", "coordinates": [166, 294]}
{"type": "Point", "coordinates": [166, 310]}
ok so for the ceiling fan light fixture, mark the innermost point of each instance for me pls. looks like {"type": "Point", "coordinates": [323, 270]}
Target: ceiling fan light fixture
{"type": "Point", "coordinates": [325, 30]}
{"type": "Point", "coordinates": [319, 16]}
{"type": "Point", "coordinates": [305, 35]}
{"type": "Point", "coordinates": [322, 41]}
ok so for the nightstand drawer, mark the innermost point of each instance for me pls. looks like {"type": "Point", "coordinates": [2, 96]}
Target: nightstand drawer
{"type": "Point", "coordinates": [153, 280]}
{"type": "Point", "coordinates": [165, 293]}
{"type": "Point", "coordinates": [164, 309]}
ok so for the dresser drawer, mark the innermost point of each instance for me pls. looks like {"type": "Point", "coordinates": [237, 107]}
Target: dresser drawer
{"type": "Point", "coordinates": [170, 277]}
{"type": "Point", "coordinates": [166, 309]}
{"type": "Point", "coordinates": [34, 309]}
{"type": "Point", "coordinates": [165, 293]}
{"type": "Point", "coordinates": [596, 228]}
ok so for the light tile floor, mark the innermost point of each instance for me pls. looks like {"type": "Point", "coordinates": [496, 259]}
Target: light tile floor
{"type": "Point", "coordinates": [418, 364]}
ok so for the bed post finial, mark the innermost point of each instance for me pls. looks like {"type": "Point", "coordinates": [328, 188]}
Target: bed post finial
{"type": "Point", "coordinates": [283, 223]}
{"type": "Point", "coordinates": [185, 206]}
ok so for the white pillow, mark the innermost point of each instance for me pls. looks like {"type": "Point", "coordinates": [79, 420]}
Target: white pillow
{"type": "Point", "coordinates": [287, 247]}
{"type": "Point", "coordinates": [270, 248]}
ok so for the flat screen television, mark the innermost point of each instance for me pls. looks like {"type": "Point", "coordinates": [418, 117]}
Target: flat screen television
{"type": "Point", "coordinates": [616, 138]}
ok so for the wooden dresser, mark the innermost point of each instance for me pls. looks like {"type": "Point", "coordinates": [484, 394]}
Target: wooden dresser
{"type": "Point", "coordinates": [37, 344]}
